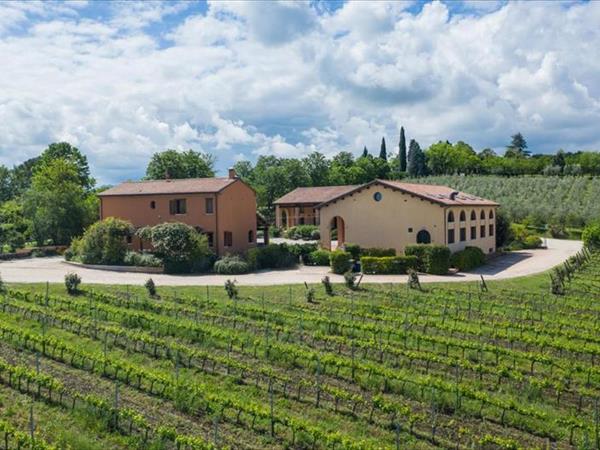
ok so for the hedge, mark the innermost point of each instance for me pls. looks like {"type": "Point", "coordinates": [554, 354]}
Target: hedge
{"type": "Point", "coordinates": [378, 252]}
{"type": "Point", "coordinates": [340, 261]}
{"type": "Point", "coordinates": [354, 250]}
{"type": "Point", "coordinates": [272, 256]}
{"type": "Point", "coordinates": [433, 258]}
{"type": "Point", "coordinates": [318, 258]}
{"type": "Point", "coordinates": [305, 232]}
{"type": "Point", "coordinates": [388, 264]}
{"type": "Point", "coordinates": [231, 265]}
{"type": "Point", "coordinates": [591, 236]}
{"type": "Point", "coordinates": [467, 259]}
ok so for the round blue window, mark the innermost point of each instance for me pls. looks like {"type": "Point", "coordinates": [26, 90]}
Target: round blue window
{"type": "Point", "coordinates": [377, 196]}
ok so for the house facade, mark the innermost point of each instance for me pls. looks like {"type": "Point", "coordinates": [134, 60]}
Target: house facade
{"type": "Point", "coordinates": [224, 209]}
{"type": "Point", "coordinates": [392, 214]}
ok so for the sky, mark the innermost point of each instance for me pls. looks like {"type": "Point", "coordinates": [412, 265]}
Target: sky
{"type": "Point", "coordinates": [122, 80]}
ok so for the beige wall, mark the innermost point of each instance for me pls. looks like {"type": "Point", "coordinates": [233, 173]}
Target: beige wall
{"type": "Point", "coordinates": [234, 210]}
{"type": "Point", "coordinates": [388, 223]}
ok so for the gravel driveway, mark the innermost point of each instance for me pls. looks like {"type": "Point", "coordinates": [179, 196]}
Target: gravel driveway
{"type": "Point", "coordinates": [511, 265]}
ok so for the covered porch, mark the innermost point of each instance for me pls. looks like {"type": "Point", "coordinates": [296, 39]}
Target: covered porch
{"type": "Point", "coordinates": [287, 216]}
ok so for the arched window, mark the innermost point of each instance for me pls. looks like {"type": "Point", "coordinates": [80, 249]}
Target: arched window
{"type": "Point", "coordinates": [491, 214]}
{"type": "Point", "coordinates": [251, 236]}
{"type": "Point", "coordinates": [423, 237]}
{"type": "Point", "coordinates": [473, 215]}
{"type": "Point", "coordinates": [450, 216]}
{"type": "Point", "coordinates": [482, 215]}
{"type": "Point", "coordinates": [463, 216]}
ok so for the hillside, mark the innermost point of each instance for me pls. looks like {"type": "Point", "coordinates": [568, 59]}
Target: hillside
{"type": "Point", "coordinates": [545, 199]}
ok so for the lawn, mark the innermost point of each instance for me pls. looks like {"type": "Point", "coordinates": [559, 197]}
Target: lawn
{"type": "Point", "coordinates": [379, 367]}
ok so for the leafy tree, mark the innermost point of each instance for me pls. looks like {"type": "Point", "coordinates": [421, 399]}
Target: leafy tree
{"type": "Point", "coordinates": [244, 170]}
{"type": "Point", "coordinates": [57, 203]}
{"type": "Point", "coordinates": [559, 159]}
{"type": "Point", "coordinates": [517, 147]}
{"type": "Point", "coordinates": [71, 154]}
{"type": "Point", "coordinates": [365, 152]}
{"type": "Point", "coordinates": [383, 151]}
{"type": "Point", "coordinates": [487, 153]}
{"type": "Point", "coordinates": [416, 160]}
{"type": "Point", "coordinates": [341, 169]}
{"type": "Point", "coordinates": [317, 168]}
{"type": "Point", "coordinates": [21, 176]}
{"type": "Point", "coordinates": [173, 164]}
{"type": "Point", "coordinates": [5, 184]}
{"type": "Point", "coordinates": [15, 229]}
{"type": "Point", "coordinates": [402, 151]}
{"type": "Point", "coordinates": [105, 242]}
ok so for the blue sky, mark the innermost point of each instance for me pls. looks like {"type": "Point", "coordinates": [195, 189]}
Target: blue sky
{"type": "Point", "coordinates": [122, 80]}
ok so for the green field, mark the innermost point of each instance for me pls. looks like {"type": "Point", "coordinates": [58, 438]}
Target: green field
{"type": "Point", "coordinates": [381, 367]}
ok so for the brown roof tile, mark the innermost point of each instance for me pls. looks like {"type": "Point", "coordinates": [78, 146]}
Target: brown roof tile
{"type": "Point", "coordinates": [318, 194]}
{"type": "Point", "coordinates": [179, 186]}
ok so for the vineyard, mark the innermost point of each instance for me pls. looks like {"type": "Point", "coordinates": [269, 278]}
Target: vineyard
{"type": "Point", "coordinates": [382, 367]}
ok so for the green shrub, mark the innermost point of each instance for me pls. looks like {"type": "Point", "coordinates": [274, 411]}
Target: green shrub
{"type": "Point", "coordinates": [231, 265]}
{"type": "Point", "coordinates": [315, 235]}
{"type": "Point", "coordinates": [532, 242]}
{"type": "Point", "coordinates": [181, 248]}
{"type": "Point", "coordinates": [340, 261]}
{"type": "Point", "coordinates": [104, 242]}
{"type": "Point", "coordinates": [275, 232]}
{"type": "Point", "coordinates": [388, 264]}
{"type": "Point", "coordinates": [273, 256]}
{"type": "Point", "coordinates": [432, 258]}
{"type": "Point", "coordinates": [591, 236]}
{"type": "Point", "coordinates": [305, 232]}
{"type": "Point", "coordinates": [318, 258]}
{"type": "Point", "coordinates": [300, 250]}
{"type": "Point", "coordinates": [72, 282]}
{"type": "Point", "coordinates": [141, 260]}
{"type": "Point", "coordinates": [468, 259]}
{"type": "Point", "coordinates": [150, 287]}
{"type": "Point", "coordinates": [354, 250]}
{"type": "Point", "coordinates": [378, 252]}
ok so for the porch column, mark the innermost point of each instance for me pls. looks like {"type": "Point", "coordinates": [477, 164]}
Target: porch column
{"type": "Point", "coordinates": [277, 217]}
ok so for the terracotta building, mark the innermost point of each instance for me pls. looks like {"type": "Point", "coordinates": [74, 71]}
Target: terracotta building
{"type": "Point", "coordinates": [222, 208]}
{"type": "Point", "coordinates": [393, 214]}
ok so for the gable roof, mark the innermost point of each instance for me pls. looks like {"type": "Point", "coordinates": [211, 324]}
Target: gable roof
{"type": "Point", "coordinates": [310, 195]}
{"type": "Point", "coordinates": [441, 195]}
{"type": "Point", "coordinates": [178, 186]}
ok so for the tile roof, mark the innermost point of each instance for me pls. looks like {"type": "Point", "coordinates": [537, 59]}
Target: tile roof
{"type": "Point", "coordinates": [179, 186]}
{"type": "Point", "coordinates": [318, 194]}
{"type": "Point", "coordinates": [442, 195]}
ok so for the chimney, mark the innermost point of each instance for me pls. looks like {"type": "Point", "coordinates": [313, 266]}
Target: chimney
{"type": "Point", "coordinates": [453, 195]}
{"type": "Point", "coordinates": [232, 173]}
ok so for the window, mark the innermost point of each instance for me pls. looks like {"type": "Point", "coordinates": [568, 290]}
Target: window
{"type": "Point", "coordinates": [250, 236]}
{"type": "Point", "coordinates": [491, 229]}
{"type": "Point", "coordinates": [463, 234]}
{"type": "Point", "coordinates": [210, 237]}
{"type": "Point", "coordinates": [482, 215]}
{"type": "Point", "coordinates": [450, 236]}
{"type": "Point", "coordinates": [450, 216]}
{"type": "Point", "coordinates": [209, 206]}
{"type": "Point", "coordinates": [473, 215]}
{"type": "Point", "coordinates": [463, 216]}
{"type": "Point", "coordinates": [377, 196]}
{"type": "Point", "coordinates": [410, 230]}
{"type": "Point", "coordinates": [301, 220]}
{"type": "Point", "coordinates": [473, 233]}
{"type": "Point", "coordinates": [482, 231]}
{"type": "Point", "coordinates": [491, 216]}
{"type": "Point", "coordinates": [177, 206]}
{"type": "Point", "coordinates": [423, 237]}
{"type": "Point", "coordinates": [228, 239]}
{"type": "Point", "coordinates": [152, 204]}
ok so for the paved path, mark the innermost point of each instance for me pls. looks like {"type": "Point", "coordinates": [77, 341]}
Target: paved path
{"type": "Point", "coordinates": [511, 265]}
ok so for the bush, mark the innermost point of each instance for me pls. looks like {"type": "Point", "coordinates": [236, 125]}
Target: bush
{"type": "Point", "coordinates": [315, 235]}
{"type": "Point", "coordinates": [591, 236]}
{"type": "Point", "coordinates": [72, 282]}
{"type": "Point", "coordinates": [467, 259]}
{"type": "Point", "coordinates": [340, 261]}
{"type": "Point", "coordinates": [318, 258]}
{"type": "Point", "coordinates": [388, 264]}
{"type": "Point", "coordinates": [141, 260]}
{"type": "Point", "coordinates": [300, 250]}
{"type": "Point", "coordinates": [104, 242]}
{"type": "Point", "coordinates": [273, 256]}
{"type": "Point", "coordinates": [231, 265]}
{"type": "Point", "coordinates": [378, 252]}
{"type": "Point", "coordinates": [275, 232]}
{"type": "Point", "coordinates": [503, 229]}
{"type": "Point", "coordinates": [432, 258]}
{"type": "Point", "coordinates": [150, 287]}
{"type": "Point", "coordinates": [181, 248]}
{"type": "Point", "coordinates": [532, 242]}
{"type": "Point", "coordinates": [354, 250]}
{"type": "Point", "coordinates": [304, 232]}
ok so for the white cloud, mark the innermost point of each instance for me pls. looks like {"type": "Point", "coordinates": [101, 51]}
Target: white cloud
{"type": "Point", "coordinates": [252, 78]}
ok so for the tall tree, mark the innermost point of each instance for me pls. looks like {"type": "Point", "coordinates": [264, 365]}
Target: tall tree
{"type": "Point", "coordinates": [402, 151]}
{"type": "Point", "coordinates": [5, 184]}
{"type": "Point", "coordinates": [383, 150]}
{"type": "Point", "coordinates": [71, 154]}
{"type": "Point", "coordinates": [416, 160]}
{"type": "Point", "coordinates": [317, 167]}
{"type": "Point", "coordinates": [517, 147]}
{"type": "Point", "coordinates": [559, 159]}
{"type": "Point", "coordinates": [174, 164]}
{"type": "Point", "coordinates": [20, 177]}
{"type": "Point", "coordinates": [365, 152]}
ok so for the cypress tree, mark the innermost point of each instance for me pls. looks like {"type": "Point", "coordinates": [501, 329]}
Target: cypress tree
{"type": "Point", "coordinates": [383, 151]}
{"type": "Point", "coordinates": [416, 160]}
{"type": "Point", "coordinates": [402, 151]}
{"type": "Point", "coordinates": [365, 152]}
